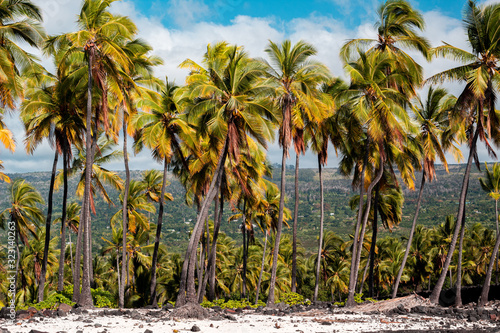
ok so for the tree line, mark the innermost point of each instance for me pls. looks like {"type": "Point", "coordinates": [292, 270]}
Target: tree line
{"type": "Point", "coordinates": [213, 133]}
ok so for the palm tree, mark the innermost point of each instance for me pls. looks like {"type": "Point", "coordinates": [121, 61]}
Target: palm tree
{"type": "Point", "coordinates": [100, 38]}
{"type": "Point", "coordinates": [162, 130]}
{"type": "Point", "coordinates": [228, 95]}
{"type": "Point", "coordinates": [19, 22]}
{"type": "Point", "coordinates": [475, 106]}
{"type": "Point", "coordinates": [379, 109]}
{"type": "Point", "coordinates": [434, 136]}
{"type": "Point", "coordinates": [24, 212]}
{"type": "Point", "coordinates": [131, 87]}
{"type": "Point", "coordinates": [50, 111]}
{"type": "Point", "coordinates": [295, 78]}
{"type": "Point", "coordinates": [398, 24]}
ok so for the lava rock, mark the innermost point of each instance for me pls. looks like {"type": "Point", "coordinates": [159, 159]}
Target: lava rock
{"type": "Point", "coordinates": [195, 329]}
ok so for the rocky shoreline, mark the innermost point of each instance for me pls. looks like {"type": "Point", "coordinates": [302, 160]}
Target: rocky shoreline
{"type": "Point", "coordinates": [408, 314]}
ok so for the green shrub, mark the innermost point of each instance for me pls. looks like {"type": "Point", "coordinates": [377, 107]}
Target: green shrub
{"type": "Point", "coordinates": [231, 304]}
{"type": "Point", "coordinates": [51, 302]}
{"type": "Point", "coordinates": [103, 298]}
{"type": "Point", "coordinates": [294, 299]}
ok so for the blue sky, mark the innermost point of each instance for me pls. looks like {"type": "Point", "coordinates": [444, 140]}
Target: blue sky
{"type": "Point", "coordinates": [351, 13]}
{"type": "Point", "coordinates": [181, 29]}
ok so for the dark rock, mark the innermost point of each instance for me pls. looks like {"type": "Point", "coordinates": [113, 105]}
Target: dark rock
{"type": "Point", "coordinates": [23, 315]}
{"type": "Point", "coordinates": [97, 325]}
{"type": "Point", "coordinates": [150, 307]}
{"type": "Point", "coordinates": [76, 311]}
{"type": "Point", "coordinates": [168, 306]}
{"type": "Point", "coordinates": [88, 321]}
{"type": "Point", "coordinates": [195, 329]}
{"type": "Point", "coordinates": [37, 331]}
{"type": "Point", "coordinates": [148, 331]}
{"type": "Point", "coordinates": [239, 310]}
{"type": "Point", "coordinates": [135, 315]}
{"type": "Point", "coordinates": [4, 330]}
{"type": "Point", "coordinates": [326, 323]}
{"type": "Point", "coordinates": [155, 314]}
{"type": "Point", "coordinates": [216, 318]}
{"type": "Point", "coordinates": [217, 308]}
{"type": "Point", "coordinates": [230, 317]}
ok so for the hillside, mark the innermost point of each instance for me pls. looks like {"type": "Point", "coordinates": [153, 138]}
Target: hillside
{"type": "Point", "coordinates": [440, 199]}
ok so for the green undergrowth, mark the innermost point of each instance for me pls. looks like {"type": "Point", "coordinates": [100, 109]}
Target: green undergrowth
{"type": "Point", "coordinates": [232, 304]}
{"type": "Point", "coordinates": [101, 299]}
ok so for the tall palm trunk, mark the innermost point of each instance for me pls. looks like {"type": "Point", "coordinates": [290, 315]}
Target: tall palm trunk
{"type": "Point", "coordinates": [118, 268]}
{"type": "Point", "coordinates": [486, 286]}
{"type": "Point", "coordinates": [121, 292]}
{"type": "Point", "coordinates": [186, 286]}
{"type": "Point", "coordinates": [202, 286]}
{"type": "Point", "coordinates": [245, 248]}
{"type": "Point", "coordinates": [85, 298]}
{"type": "Point", "coordinates": [458, 286]}
{"type": "Point", "coordinates": [48, 222]}
{"type": "Point", "coordinates": [320, 240]}
{"type": "Point", "coordinates": [352, 277]}
{"type": "Point", "coordinates": [374, 242]}
{"type": "Point", "coordinates": [270, 298]}
{"type": "Point", "coordinates": [434, 298]}
{"type": "Point", "coordinates": [295, 222]}
{"type": "Point", "coordinates": [60, 282]}
{"type": "Point", "coordinates": [496, 220]}
{"type": "Point", "coordinates": [355, 268]}
{"type": "Point", "coordinates": [410, 237]}
{"type": "Point", "coordinates": [261, 268]}
{"type": "Point", "coordinates": [152, 290]}
{"type": "Point", "coordinates": [78, 256]}
{"type": "Point", "coordinates": [213, 254]}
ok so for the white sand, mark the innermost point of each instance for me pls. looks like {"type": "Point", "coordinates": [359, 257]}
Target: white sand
{"type": "Point", "coordinates": [307, 322]}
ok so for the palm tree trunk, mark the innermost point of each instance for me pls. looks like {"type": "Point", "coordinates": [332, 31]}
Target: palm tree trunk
{"type": "Point", "coordinates": [121, 292]}
{"type": "Point", "coordinates": [48, 222]}
{"type": "Point", "coordinates": [70, 251]}
{"type": "Point", "coordinates": [295, 222]}
{"type": "Point", "coordinates": [244, 231]}
{"type": "Point", "coordinates": [320, 240]}
{"type": "Point", "coordinates": [152, 290]}
{"type": "Point", "coordinates": [186, 286]}
{"type": "Point", "coordinates": [434, 298]}
{"type": "Point", "coordinates": [60, 282]}
{"type": "Point", "coordinates": [270, 298]}
{"type": "Point", "coordinates": [85, 298]}
{"type": "Point", "coordinates": [363, 278]}
{"type": "Point", "coordinates": [486, 286]}
{"type": "Point", "coordinates": [496, 220]}
{"type": "Point", "coordinates": [410, 238]}
{"type": "Point", "coordinates": [203, 285]}
{"type": "Point", "coordinates": [352, 277]}
{"type": "Point", "coordinates": [118, 268]}
{"type": "Point", "coordinates": [350, 298]}
{"type": "Point", "coordinates": [458, 286]}
{"type": "Point", "coordinates": [374, 242]}
{"type": "Point", "coordinates": [261, 268]}
{"type": "Point", "coordinates": [78, 255]}
{"type": "Point", "coordinates": [213, 252]}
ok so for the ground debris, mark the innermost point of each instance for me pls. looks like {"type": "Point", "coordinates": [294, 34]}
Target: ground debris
{"type": "Point", "coordinates": [401, 303]}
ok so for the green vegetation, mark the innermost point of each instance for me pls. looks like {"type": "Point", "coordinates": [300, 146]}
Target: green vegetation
{"type": "Point", "coordinates": [215, 227]}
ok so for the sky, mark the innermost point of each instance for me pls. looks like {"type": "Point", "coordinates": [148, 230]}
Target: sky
{"type": "Point", "coordinates": [181, 29]}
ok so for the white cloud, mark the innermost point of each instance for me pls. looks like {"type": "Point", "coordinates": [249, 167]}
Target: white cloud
{"type": "Point", "coordinates": [189, 41]}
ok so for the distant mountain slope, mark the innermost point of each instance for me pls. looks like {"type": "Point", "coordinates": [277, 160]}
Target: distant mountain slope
{"type": "Point", "coordinates": [440, 199]}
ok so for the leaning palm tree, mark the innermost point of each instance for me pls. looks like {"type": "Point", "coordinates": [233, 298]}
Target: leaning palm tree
{"type": "Point", "coordinates": [228, 95]}
{"type": "Point", "coordinates": [384, 124]}
{"type": "Point", "coordinates": [432, 116]}
{"type": "Point", "coordinates": [101, 38]}
{"type": "Point", "coordinates": [475, 106]}
{"type": "Point", "coordinates": [25, 212]}
{"type": "Point", "coordinates": [295, 76]}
